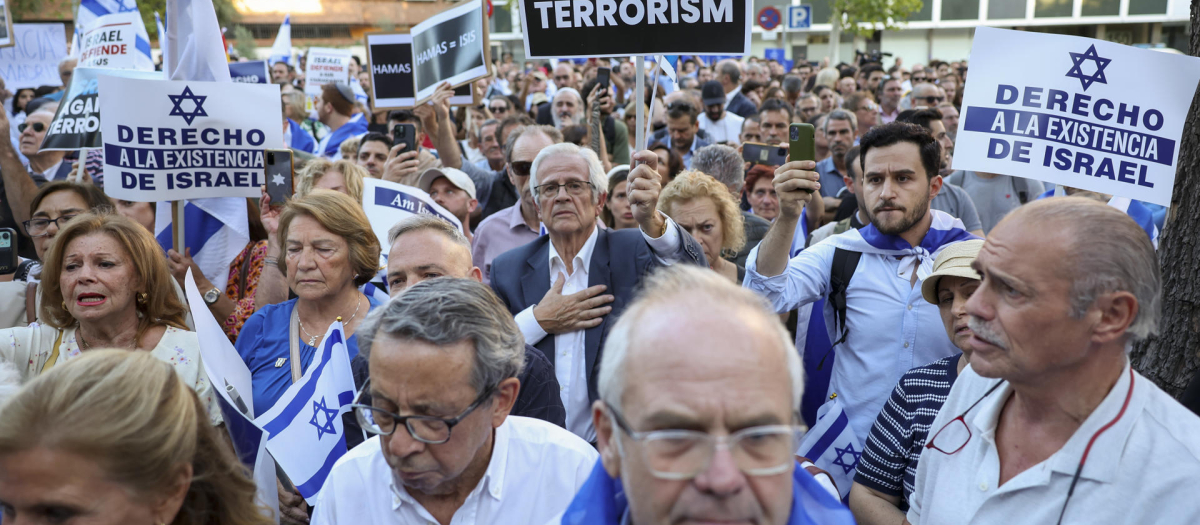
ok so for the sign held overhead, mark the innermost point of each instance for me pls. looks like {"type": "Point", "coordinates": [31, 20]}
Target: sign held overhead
{"type": "Point", "coordinates": [451, 46]}
{"type": "Point", "coordinates": [389, 59]}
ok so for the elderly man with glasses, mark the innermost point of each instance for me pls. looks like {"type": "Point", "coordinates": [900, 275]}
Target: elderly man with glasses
{"type": "Point", "coordinates": [690, 431]}
{"type": "Point", "coordinates": [444, 360]}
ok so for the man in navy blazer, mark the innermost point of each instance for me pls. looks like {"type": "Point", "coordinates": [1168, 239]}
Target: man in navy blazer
{"type": "Point", "coordinates": [568, 287]}
{"type": "Point", "coordinates": [729, 75]}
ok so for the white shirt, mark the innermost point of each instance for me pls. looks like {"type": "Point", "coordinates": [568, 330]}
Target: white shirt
{"type": "Point", "coordinates": [725, 130]}
{"type": "Point", "coordinates": [570, 348]}
{"type": "Point", "coordinates": [892, 329]}
{"type": "Point", "coordinates": [535, 470]}
{"type": "Point", "coordinates": [1143, 469]}
{"type": "Point", "coordinates": [729, 96]}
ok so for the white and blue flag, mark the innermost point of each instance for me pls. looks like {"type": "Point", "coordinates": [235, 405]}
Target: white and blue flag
{"type": "Point", "coordinates": [304, 428]}
{"type": "Point", "coordinates": [91, 10]}
{"type": "Point", "coordinates": [162, 34]}
{"type": "Point", "coordinates": [281, 51]}
{"type": "Point", "coordinates": [832, 445]}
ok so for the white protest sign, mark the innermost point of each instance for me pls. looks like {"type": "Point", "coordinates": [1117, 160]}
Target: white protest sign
{"type": "Point", "coordinates": [170, 140]}
{"type": "Point", "coordinates": [386, 203]}
{"type": "Point", "coordinates": [450, 46]}
{"type": "Point", "coordinates": [1075, 111]}
{"type": "Point", "coordinates": [32, 60]}
{"type": "Point", "coordinates": [111, 42]}
{"type": "Point", "coordinates": [325, 66]}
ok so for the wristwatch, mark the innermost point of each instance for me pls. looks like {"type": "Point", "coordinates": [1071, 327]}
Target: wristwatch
{"type": "Point", "coordinates": [211, 296]}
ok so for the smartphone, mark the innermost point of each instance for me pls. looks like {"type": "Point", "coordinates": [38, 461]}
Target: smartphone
{"type": "Point", "coordinates": [800, 142]}
{"type": "Point", "coordinates": [405, 134]}
{"type": "Point", "coordinates": [279, 173]}
{"type": "Point", "coordinates": [602, 76]}
{"type": "Point", "coordinates": [764, 154]}
{"type": "Point", "coordinates": [8, 251]}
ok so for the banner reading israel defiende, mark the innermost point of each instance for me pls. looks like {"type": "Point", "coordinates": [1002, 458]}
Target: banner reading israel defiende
{"type": "Point", "coordinates": [1075, 111]}
{"type": "Point", "coordinates": [168, 140]}
{"type": "Point", "coordinates": [599, 28]}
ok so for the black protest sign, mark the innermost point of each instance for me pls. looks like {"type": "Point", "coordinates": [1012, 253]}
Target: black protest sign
{"type": "Point", "coordinates": [389, 59]}
{"type": "Point", "coordinates": [76, 124]}
{"type": "Point", "coordinates": [450, 47]}
{"type": "Point", "coordinates": [599, 28]}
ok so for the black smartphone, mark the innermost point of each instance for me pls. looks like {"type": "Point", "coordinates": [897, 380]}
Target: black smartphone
{"type": "Point", "coordinates": [279, 173]}
{"type": "Point", "coordinates": [8, 251]}
{"type": "Point", "coordinates": [603, 76]}
{"type": "Point", "coordinates": [766, 154]}
{"type": "Point", "coordinates": [405, 134]}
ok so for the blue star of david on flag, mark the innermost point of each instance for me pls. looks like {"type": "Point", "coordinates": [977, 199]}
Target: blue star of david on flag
{"type": "Point", "coordinates": [1077, 70]}
{"type": "Point", "coordinates": [848, 451]}
{"type": "Point", "coordinates": [321, 411]}
{"type": "Point", "coordinates": [187, 95]}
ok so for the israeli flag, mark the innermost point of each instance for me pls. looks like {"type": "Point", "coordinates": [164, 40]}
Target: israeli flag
{"type": "Point", "coordinates": [91, 10]}
{"type": "Point", "coordinates": [216, 231]}
{"type": "Point", "coordinates": [304, 428]}
{"type": "Point", "coordinates": [669, 82]}
{"type": "Point", "coordinates": [162, 34]}
{"type": "Point", "coordinates": [281, 51]}
{"type": "Point", "coordinates": [832, 445]}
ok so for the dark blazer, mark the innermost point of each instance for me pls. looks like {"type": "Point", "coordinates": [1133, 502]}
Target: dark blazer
{"type": "Point", "coordinates": [741, 106]}
{"type": "Point", "coordinates": [621, 258]}
{"type": "Point", "coordinates": [755, 228]}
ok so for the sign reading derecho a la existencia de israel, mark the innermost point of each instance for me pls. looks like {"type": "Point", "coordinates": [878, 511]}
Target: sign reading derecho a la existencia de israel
{"type": "Point", "coordinates": [171, 140]}
{"type": "Point", "coordinates": [1075, 111]}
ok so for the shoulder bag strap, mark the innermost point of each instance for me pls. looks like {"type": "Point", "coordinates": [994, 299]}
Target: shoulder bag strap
{"type": "Point", "coordinates": [54, 354]}
{"type": "Point", "coordinates": [294, 344]}
{"type": "Point", "coordinates": [31, 302]}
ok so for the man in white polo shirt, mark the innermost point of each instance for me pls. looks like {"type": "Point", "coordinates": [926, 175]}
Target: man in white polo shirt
{"type": "Point", "coordinates": [1049, 423]}
{"type": "Point", "coordinates": [722, 126]}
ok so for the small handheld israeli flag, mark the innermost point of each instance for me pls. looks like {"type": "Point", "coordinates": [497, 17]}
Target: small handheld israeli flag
{"type": "Point", "coordinates": [832, 446]}
{"type": "Point", "coordinates": [304, 427]}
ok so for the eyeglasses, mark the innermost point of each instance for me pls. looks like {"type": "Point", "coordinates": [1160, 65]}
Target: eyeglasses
{"type": "Point", "coordinates": [38, 127]}
{"type": "Point", "coordinates": [499, 109]}
{"type": "Point", "coordinates": [683, 454]}
{"type": "Point", "coordinates": [955, 434]}
{"type": "Point", "coordinates": [426, 429]}
{"type": "Point", "coordinates": [37, 227]}
{"type": "Point", "coordinates": [917, 79]}
{"type": "Point", "coordinates": [521, 168]}
{"type": "Point", "coordinates": [575, 188]}
{"type": "Point", "coordinates": [932, 99]}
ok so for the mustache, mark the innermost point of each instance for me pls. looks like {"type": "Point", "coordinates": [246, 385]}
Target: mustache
{"type": "Point", "coordinates": [985, 332]}
{"type": "Point", "coordinates": [888, 204]}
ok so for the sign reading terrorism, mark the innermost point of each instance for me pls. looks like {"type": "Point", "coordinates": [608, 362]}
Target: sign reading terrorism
{"type": "Point", "coordinates": [76, 124]}
{"type": "Point", "coordinates": [1075, 111]}
{"type": "Point", "coordinates": [174, 140]}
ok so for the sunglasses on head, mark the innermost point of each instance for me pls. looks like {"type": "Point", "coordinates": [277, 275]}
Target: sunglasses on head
{"type": "Point", "coordinates": [38, 127]}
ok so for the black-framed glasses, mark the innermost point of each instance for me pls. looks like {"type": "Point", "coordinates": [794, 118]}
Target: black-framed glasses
{"type": "Point", "coordinates": [499, 109]}
{"type": "Point", "coordinates": [932, 99]}
{"type": "Point", "coordinates": [38, 127]}
{"type": "Point", "coordinates": [575, 188]}
{"type": "Point", "coordinates": [426, 429]}
{"type": "Point", "coordinates": [521, 168]}
{"type": "Point", "coordinates": [683, 454]}
{"type": "Point", "coordinates": [956, 433]}
{"type": "Point", "coordinates": [37, 227]}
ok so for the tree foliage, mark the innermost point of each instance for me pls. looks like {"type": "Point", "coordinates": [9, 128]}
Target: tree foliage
{"type": "Point", "coordinates": [866, 16]}
{"type": "Point", "coordinates": [243, 42]}
{"type": "Point", "coordinates": [65, 10]}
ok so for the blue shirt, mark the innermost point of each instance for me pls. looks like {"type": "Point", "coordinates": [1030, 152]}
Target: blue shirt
{"type": "Point", "coordinates": [831, 179]}
{"type": "Point", "coordinates": [264, 340]}
{"type": "Point", "coordinates": [301, 139]}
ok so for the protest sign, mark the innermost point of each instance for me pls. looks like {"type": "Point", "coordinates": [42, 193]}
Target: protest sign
{"type": "Point", "coordinates": [6, 26]}
{"type": "Point", "coordinates": [450, 46]}
{"type": "Point", "coordinates": [32, 60]}
{"type": "Point", "coordinates": [1075, 111]}
{"type": "Point", "coordinates": [111, 41]}
{"type": "Point", "coordinates": [171, 140]}
{"type": "Point", "coordinates": [389, 59]}
{"type": "Point", "coordinates": [599, 28]}
{"type": "Point", "coordinates": [386, 203]}
{"type": "Point", "coordinates": [76, 124]}
{"type": "Point", "coordinates": [255, 72]}
{"type": "Point", "coordinates": [325, 66]}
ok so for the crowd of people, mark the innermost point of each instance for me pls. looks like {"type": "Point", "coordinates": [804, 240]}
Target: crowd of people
{"type": "Point", "coordinates": [614, 332]}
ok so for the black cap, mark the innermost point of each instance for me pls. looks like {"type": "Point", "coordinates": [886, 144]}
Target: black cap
{"type": "Point", "coordinates": [712, 93]}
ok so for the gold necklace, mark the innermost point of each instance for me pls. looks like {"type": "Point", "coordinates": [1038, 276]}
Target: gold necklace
{"type": "Point", "coordinates": [312, 339]}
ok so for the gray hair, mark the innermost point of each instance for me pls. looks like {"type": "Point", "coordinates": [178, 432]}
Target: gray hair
{"type": "Point", "coordinates": [1109, 253]}
{"type": "Point", "coordinates": [422, 222]}
{"type": "Point", "coordinates": [568, 91]}
{"type": "Point", "coordinates": [596, 174]}
{"type": "Point", "coordinates": [792, 84]}
{"type": "Point", "coordinates": [550, 132]}
{"type": "Point", "coordinates": [677, 285]}
{"type": "Point", "coordinates": [721, 162]}
{"type": "Point", "coordinates": [729, 68]}
{"type": "Point", "coordinates": [840, 114]}
{"type": "Point", "coordinates": [486, 123]}
{"type": "Point", "coordinates": [444, 311]}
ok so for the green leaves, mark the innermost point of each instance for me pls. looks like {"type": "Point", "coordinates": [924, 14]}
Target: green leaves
{"type": "Point", "coordinates": [867, 16]}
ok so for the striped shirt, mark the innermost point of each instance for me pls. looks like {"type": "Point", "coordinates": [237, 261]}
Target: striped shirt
{"type": "Point", "coordinates": [889, 460]}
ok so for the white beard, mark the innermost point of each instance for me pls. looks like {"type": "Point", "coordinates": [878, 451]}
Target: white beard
{"type": "Point", "coordinates": [563, 121]}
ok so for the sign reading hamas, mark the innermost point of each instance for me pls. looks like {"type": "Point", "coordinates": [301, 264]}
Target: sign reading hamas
{"type": "Point", "coordinates": [76, 124]}
{"type": "Point", "coordinates": [389, 59]}
{"type": "Point", "coordinates": [1074, 111]}
{"type": "Point", "coordinates": [598, 28]}
{"type": "Point", "coordinates": [172, 140]}
{"type": "Point", "coordinates": [450, 46]}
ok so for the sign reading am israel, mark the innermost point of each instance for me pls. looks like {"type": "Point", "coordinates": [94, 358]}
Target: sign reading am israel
{"type": "Point", "coordinates": [597, 28]}
{"type": "Point", "coordinates": [1075, 111]}
{"type": "Point", "coordinates": [170, 140]}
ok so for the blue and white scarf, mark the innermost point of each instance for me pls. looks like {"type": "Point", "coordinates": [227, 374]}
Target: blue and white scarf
{"type": "Point", "coordinates": [944, 230]}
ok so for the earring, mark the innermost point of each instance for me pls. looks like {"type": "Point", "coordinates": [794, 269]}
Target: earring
{"type": "Point", "coordinates": [142, 298]}
{"type": "Point", "coordinates": [64, 305]}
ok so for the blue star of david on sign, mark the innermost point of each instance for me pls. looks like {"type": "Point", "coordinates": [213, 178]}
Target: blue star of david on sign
{"type": "Point", "coordinates": [843, 452]}
{"type": "Point", "coordinates": [1077, 70]}
{"type": "Point", "coordinates": [187, 95]}
{"type": "Point", "coordinates": [328, 414]}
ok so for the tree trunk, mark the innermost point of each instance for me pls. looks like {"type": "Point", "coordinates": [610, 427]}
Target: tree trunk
{"type": "Point", "coordinates": [835, 38]}
{"type": "Point", "coordinates": [1171, 358]}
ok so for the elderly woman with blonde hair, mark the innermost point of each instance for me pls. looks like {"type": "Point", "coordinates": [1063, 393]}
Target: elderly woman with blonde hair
{"type": "Point", "coordinates": [704, 207]}
{"type": "Point", "coordinates": [105, 284]}
{"type": "Point", "coordinates": [117, 437]}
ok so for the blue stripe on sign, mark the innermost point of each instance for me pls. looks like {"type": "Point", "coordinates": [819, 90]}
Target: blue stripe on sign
{"type": "Point", "coordinates": [94, 6]}
{"type": "Point", "coordinates": [309, 488]}
{"type": "Point", "coordinates": [305, 393]}
{"type": "Point", "coordinates": [831, 434]}
{"type": "Point", "coordinates": [1070, 132]}
{"type": "Point", "coordinates": [200, 228]}
{"type": "Point", "coordinates": [142, 45]}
